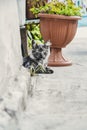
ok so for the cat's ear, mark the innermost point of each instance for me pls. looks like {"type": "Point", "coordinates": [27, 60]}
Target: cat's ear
{"type": "Point", "coordinates": [33, 44]}
{"type": "Point", "coordinates": [48, 43]}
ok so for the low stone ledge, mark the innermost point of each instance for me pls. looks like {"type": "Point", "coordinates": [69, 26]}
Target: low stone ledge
{"type": "Point", "coordinates": [14, 101]}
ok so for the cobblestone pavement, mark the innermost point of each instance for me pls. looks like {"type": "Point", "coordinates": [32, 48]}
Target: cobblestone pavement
{"type": "Point", "coordinates": [59, 101]}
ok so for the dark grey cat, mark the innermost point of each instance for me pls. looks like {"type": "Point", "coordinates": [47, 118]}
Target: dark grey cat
{"type": "Point", "coordinates": [40, 52]}
{"type": "Point", "coordinates": [38, 58]}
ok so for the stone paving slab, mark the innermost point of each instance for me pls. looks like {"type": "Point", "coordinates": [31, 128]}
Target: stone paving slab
{"type": "Point", "coordinates": [59, 100]}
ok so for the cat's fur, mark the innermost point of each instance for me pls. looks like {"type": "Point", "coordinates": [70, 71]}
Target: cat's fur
{"type": "Point", "coordinates": [40, 52]}
{"type": "Point", "coordinates": [38, 56]}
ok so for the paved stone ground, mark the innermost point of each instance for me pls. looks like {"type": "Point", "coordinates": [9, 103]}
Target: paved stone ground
{"type": "Point", "coordinates": [59, 101]}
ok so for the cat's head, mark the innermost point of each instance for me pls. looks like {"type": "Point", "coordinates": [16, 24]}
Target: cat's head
{"type": "Point", "coordinates": [40, 51]}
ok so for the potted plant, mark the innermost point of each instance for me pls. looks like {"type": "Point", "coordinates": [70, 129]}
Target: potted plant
{"type": "Point", "coordinates": [31, 4]}
{"type": "Point", "coordinates": [58, 23]}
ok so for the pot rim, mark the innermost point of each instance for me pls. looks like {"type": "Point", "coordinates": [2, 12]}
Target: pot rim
{"type": "Point", "coordinates": [44, 15]}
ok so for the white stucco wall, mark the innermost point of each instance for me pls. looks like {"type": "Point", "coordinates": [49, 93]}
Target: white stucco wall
{"type": "Point", "coordinates": [21, 11]}
{"type": "Point", "coordinates": [10, 44]}
{"type": "Point", "coordinates": [15, 81]}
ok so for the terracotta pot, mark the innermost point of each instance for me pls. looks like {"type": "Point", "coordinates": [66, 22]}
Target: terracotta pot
{"type": "Point", "coordinates": [60, 30]}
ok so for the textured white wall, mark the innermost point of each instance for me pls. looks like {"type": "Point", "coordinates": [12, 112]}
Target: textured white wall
{"type": "Point", "coordinates": [21, 11]}
{"type": "Point", "coordinates": [10, 50]}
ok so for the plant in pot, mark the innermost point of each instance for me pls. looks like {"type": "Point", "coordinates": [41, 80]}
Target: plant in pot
{"type": "Point", "coordinates": [31, 4]}
{"type": "Point", "coordinates": [58, 23]}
